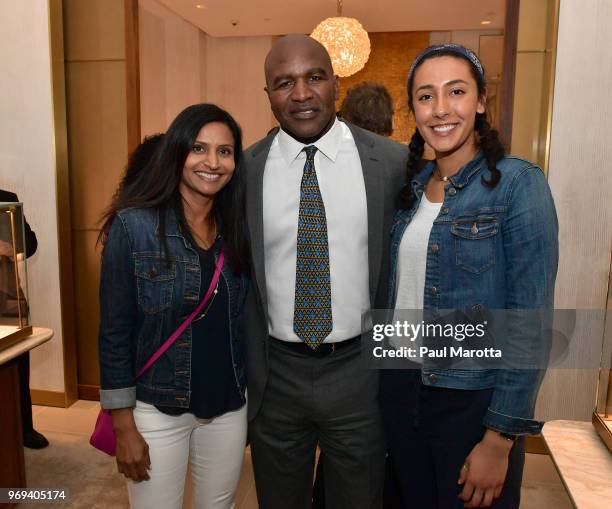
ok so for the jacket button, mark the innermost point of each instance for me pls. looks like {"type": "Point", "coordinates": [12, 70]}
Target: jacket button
{"type": "Point", "coordinates": [452, 191]}
{"type": "Point", "coordinates": [435, 248]}
{"type": "Point", "coordinates": [433, 378]}
{"type": "Point", "coordinates": [152, 273]}
{"type": "Point", "coordinates": [476, 307]}
{"type": "Point", "coordinates": [444, 210]}
{"type": "Point", "coordinates": [433, 290]}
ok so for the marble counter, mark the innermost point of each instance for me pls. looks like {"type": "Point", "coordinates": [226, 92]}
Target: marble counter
{"type": "Point", "coordinates": [583, 461]}
{"type": "Point", "coordinates": [39, 336]}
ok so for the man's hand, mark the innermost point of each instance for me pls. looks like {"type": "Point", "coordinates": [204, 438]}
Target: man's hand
{"type": "Point", "coordinates": [132, 451]}
{"type": "Point", "coordinates": [484, 471]}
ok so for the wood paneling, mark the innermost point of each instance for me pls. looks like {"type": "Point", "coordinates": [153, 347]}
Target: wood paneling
{"type": "Point", "coordinates": [132, 74]}
{"type": "Point", "coordinates": [50, 398]}
{"type": "Point", "coordinates": [94, 30]}
{"type": "Point", "coordinates": [507, 82]}
{"type": "Point", "coordinates": [390, 59]}
{"type": "Point", "coordinates": [100, 116]}
{"type": "Point", "coordinates": [12, 466]}
{"type": "Point", "coordinates": [87, 281]}
{"type": "Point", "coordinates": [89, 392]}
{"type": "Point", "coordinates": [97, 130]}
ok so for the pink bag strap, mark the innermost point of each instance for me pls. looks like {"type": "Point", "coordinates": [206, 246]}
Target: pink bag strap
{"type": "Point", "coordinates": [189, 319]}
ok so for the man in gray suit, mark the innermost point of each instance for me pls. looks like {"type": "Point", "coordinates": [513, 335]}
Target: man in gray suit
{"type": "Point", "coordinates": [320, 206]}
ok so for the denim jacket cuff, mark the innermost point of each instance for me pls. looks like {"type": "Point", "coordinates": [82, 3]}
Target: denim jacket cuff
{"type": "Point", "coordinates": [118, 398]}
{"type": "Point", "coordinates": [511, 425]}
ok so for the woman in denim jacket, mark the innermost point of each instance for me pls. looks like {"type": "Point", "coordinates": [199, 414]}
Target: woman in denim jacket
{"type": "Point", "coordinates": [162, 236]}
{"type": "Point", "coordinates": [476, 231]}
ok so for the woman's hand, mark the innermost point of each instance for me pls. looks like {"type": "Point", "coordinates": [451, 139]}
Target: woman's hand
{"type": "Point", "coordinates": [484, 471]}
{"type": "Point", "coordinates": [132, 451]}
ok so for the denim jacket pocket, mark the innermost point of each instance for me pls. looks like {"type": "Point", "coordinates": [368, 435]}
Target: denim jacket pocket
{"type": "Point", "coordinates": [155, 280]}
{"type": "Point", "coordinates": [475, 242]}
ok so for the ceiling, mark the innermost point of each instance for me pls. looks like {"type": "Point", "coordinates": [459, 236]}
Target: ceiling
{"type": "Point", "coordinates": [223, 18]}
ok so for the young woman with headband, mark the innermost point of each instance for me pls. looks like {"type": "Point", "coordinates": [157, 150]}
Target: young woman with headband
{"type": "Point", "coordinates": [476, 230]}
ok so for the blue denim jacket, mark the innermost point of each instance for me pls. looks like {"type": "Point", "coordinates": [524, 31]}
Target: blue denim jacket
{"type": "Point", "coordinates": [508, 261]}
{"type": "Point", "coordinates": [143, 299]}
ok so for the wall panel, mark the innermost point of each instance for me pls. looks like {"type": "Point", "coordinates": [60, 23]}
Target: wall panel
{"type": "Point", "coordinates": [28, 167]}
{"type": "Point", "coordinates": [579, 176]}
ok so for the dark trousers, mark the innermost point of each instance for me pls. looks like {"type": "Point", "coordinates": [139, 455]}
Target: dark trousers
{"type": "Point", "coordinates": [332, 401]}
{"type": "Point", "coordinates": [430, 431]}
{"type": "Point", "coordinates": [23, 366]}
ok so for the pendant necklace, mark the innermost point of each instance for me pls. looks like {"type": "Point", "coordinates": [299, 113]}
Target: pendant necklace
{"type": "Point", "coordinates": [439, 176]}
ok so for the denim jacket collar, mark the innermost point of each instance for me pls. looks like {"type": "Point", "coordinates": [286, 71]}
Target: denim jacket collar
{"type": "Point", "coordinates": [173, 229]}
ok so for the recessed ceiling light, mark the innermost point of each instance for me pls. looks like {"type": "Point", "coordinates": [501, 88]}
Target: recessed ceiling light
{"type": "Point", "coordinates": [485, 22]}
{"type": "Point", "coordinates": [200, 6]}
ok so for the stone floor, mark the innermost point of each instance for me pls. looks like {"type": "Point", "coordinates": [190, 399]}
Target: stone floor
{"type": "Point", "coordinates": [70, 462]}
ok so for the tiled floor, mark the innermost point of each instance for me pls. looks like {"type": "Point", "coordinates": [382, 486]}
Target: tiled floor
{"type": "Point", "coordinates": [69, 428]}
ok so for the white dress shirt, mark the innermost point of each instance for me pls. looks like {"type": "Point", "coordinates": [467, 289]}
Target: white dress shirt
{"type": "Point", "coordinates": [340, 178]}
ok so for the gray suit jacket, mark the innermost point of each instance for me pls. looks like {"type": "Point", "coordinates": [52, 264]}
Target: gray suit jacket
{"type": "Point", "coordinates": [384, 165]}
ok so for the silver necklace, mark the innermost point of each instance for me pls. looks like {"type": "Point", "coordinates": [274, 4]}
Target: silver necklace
{"type": "Point", "coordinates": [205, 312]}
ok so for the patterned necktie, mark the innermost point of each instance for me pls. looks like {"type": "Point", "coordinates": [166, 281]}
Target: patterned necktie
{"type": "Point", "coordinates": [312, 316]}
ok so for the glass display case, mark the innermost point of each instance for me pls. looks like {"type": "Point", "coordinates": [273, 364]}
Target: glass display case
{"type": "Point", "coordinates": [14, 309]}
{"type": "Point", "coordinates": [602, 416]}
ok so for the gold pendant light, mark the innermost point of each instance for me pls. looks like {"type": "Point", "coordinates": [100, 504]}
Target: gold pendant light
{"type": "Point", "coordinates": [346, 41]}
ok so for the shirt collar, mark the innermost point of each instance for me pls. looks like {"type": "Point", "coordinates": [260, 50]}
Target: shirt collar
{"type": "Point", "coordinates": [328, 144]}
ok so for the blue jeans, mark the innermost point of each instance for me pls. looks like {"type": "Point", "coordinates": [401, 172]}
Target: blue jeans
{"type": "Point", "coordinates": [430, 431]}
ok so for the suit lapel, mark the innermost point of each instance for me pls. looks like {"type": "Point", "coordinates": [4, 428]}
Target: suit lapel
{"type": "Point", "coordinates": [255, 166]}
{"type": "Point", "coordinates": [374, 177]}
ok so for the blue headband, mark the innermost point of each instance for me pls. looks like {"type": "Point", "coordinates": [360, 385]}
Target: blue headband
{"type": "Point", "coordinates": [447, 48]}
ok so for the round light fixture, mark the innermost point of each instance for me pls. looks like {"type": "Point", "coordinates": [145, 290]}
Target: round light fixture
{"type": "Point", "coordinates": [346, 41]}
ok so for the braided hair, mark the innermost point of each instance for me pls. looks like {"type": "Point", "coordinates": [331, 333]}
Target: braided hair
{"type": "Point", "coordinates": [488, 138]}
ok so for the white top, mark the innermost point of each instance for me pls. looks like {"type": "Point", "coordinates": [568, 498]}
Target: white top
{"type": "Point", "coordinates": [342, 188]}
{"type": "Point", "coordinates": [412, 256]}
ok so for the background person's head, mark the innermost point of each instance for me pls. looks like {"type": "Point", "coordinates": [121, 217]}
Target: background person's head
{"type": "Point", "coordinates": [301, 87]}
{"type": "Point", "coordinates": [369, 106]}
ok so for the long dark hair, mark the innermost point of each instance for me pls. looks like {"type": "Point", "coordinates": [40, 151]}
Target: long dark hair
{"type": "Point", "coordinates": [157, 185]}
{"type": "Point", "coordinates": [488, 138]}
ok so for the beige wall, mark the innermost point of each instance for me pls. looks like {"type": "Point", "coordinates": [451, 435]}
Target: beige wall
{"type": "Point", "coordinates": [27, 167]}
{"type": "Point", "coordinates": [580, 179]}
{"type": "Point", "coordinates": [181, 65]}
{"type": "Point", "coordinates": [172, 65]}
{"type": "Point", "coordinates": [235, 81]}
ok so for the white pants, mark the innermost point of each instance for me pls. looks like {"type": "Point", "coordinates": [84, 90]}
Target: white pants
{"type": "Point", "coordinates": [213, 447]}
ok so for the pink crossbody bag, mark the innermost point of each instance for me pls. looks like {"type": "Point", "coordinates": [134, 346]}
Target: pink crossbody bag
{"type": "Point", "coordinates": [103, 436]}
